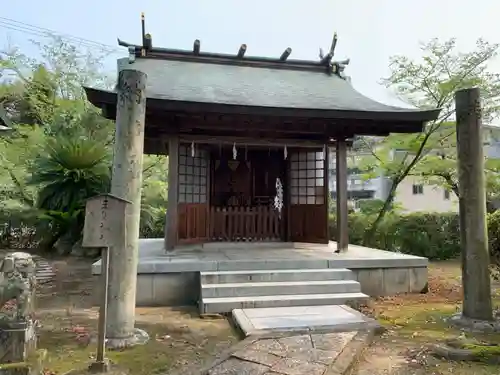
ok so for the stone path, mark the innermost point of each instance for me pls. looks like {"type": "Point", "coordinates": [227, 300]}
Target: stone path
{"type": "Point", "coordinates": [291, 354]}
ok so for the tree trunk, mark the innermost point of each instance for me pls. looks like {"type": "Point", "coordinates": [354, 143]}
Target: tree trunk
{"type": "Point", "coordinates": [477, 303]}
{"type": "Point", "coordinates": [370, 233]}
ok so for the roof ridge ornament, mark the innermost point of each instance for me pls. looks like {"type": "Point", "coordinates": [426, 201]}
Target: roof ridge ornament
{"type": "Point", "coordinates": [335, 67]}
{"type": "Point", "coordinates": [147, 42]}
{"type": "Point", "coordinates": [145, 49]}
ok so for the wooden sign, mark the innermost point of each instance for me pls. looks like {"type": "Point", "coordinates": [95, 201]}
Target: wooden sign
{"type": "Point", "coordinates": [104, 221]}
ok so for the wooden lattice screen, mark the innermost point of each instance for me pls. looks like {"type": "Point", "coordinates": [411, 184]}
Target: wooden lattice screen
{"type": "Point", "coordinates": [193, 184]}
{"type": "Point", "coordinates": [308, 214]}
{"type": "Point", "coordinates": [193, 195]}
{"type": "Point", "coordinates": [307, 177]}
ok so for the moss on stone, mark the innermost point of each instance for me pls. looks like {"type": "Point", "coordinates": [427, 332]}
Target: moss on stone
{"type": "Point", "coordinates": [483, 351]}
{"type": "Point", "coordinates": [7, 366]}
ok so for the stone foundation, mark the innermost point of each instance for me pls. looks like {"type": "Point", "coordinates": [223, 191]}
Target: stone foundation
{"type": "Point", "coordinates": [183, 288]}
{"type": "Point", "coordinates": [162, 289]}
{"type": "Point", "coordinates": [17, 303]}
{"type": "Point", "coordinates": [380, 282]}
{"type": "Point", "coordinates": [172, 278]}
{"type": "Point", "coordinates": [17, 341]}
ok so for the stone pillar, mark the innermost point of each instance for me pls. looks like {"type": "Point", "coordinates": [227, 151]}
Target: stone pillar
{"type": "Point", "coordinates": [342, 209]}
{"type": "Point", "coordinates": [173, 193]}
{"type": "Point", "coordinates": [475, 272]}
{"type": "Point", "coordinates": [126, 183]}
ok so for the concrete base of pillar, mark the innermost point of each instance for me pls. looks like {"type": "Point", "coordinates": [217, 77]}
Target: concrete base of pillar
{"type": "Point", "coordinates": [140, 337]}
{"type": "Point", "coordinates": [99, 367]}
{"type": "Point", "coordinates": [474, 325]}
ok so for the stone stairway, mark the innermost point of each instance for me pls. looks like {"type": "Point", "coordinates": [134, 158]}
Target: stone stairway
{"type": "Point", "coordinates": [223, 291]}
{"type": "Point", "coordinates": [44, 272]}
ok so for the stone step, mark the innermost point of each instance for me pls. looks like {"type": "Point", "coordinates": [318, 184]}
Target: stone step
{"type": "Point", "coordinates": [227, 304]}
{"type": "Point", "coordinates": [281, 263]}
{"type": "Point", "coordinates": [279, 288]}
{"type": "Point", "coordinates": [220, 277]}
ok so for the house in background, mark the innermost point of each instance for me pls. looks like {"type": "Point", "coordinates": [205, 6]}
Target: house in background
{"type": "Point", "coordinates": [412, 195]}
{"type": "Point", "coordinates": [357, 186]}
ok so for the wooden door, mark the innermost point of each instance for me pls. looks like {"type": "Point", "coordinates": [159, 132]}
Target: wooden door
{"type": "Point", "coordinates": [193, 195]}
{"type": "Point", "coordinates": [308, 215]}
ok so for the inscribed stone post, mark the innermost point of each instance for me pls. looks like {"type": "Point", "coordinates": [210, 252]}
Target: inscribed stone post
{"type": "Point", "coordinates": [475, 260]}
{"type": "Point", "coordinates": [126, 184]}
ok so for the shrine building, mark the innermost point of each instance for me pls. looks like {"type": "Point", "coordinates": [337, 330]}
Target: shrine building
{"type": "Point", "coordinates": [248, 141]}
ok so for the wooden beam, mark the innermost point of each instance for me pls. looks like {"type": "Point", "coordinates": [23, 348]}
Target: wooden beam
{"type": "Point", "coordinates": [196, 47]}
{"type": "Point", "coordinates": [188, 122]}
{"type": "Point", "coordinates": [328, 57]}
{"type": "Point", "coordinates": [143, 29]}
{"type": "Point", "coordinates": [326, 191]}
{"type": "Point", "coordinates": [173, 193]}
{"type": "Point", "coordinates": [250, 141]}
{"type": "Point", "coordinates": [334, 44]}
{"type": "Point", "coordinates": [148, 42]}
{"type": "Point", "coordinates": [285, 54]}
{"type": "Point", "coordinates": [241, 51]}
{"type": "Point", "coordinates": [342, 209]}
{"type": "Point", "coordinates": [160, 119]}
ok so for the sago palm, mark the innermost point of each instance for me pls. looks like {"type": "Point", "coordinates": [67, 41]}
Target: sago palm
{"type": "Point", "coordinates": [70, 171]}
{"type": "Point", "coordinates": [67, 173]}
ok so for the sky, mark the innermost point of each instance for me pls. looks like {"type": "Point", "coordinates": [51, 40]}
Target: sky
{"type": "Point", "coordinates": [369, 32]}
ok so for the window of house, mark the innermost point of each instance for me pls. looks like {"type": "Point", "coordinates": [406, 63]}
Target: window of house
{"type": "Point", "coordinates": [446, 194]}
{"type": "Point", "coordinates": [418, 189]}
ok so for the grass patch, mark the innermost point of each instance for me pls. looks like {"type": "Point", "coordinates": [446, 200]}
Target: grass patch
{"type": "Point", "coordinates": [186, 340]}
{"type": "Point", "coordinates": [416, 321]}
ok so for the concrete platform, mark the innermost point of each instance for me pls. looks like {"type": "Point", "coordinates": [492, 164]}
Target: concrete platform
{"type": "Point", "coordinates": [164, 277]}
{"type": "Point", "coordinates": [299, 318]}
{"type": "Point", "coordinates": [251, 256]}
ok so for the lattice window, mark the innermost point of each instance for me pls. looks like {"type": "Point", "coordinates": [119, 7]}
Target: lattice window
{"type": "Point", "coordinates": [193, 184]}
{"type": "Point", "coordinates": [307, 177]}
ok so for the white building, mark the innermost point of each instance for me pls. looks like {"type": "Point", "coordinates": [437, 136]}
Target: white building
{"type": "Point", "coordinates": [411, 195]}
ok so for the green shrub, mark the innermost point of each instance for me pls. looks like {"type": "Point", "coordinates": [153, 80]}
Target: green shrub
{"type": "Point", "coordinates": [152, 222]}
{"type": "Point", "coordinates": [494, 236]}
{"type": "Point", "coordinates": [434, 236]}
{"type": "Point", "coordinates": [370, 206]}
{"type": "Point", "coordinates": [431, 235]}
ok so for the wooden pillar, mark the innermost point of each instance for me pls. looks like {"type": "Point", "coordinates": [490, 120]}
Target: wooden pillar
{"type": "Point", "coordinates": [173, 193]}
{"type": "Point", "coordinates": [126, 183]}
{"type": "Point", "coordinates": [326, 168]}
{"type": "Point", "coordinates": [477, 302]}
{"type": "Point", "coordinates": [342, 211]}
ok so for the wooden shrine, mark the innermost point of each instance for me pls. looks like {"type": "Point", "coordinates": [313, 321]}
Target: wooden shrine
{"type": "Point", "coordinates": [248, 140]}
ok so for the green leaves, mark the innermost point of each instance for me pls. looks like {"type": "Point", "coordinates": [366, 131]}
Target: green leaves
{"type": "Point", "coordinates": [430, 82]}
{"type": "Point", "coordinates": [70, 171]}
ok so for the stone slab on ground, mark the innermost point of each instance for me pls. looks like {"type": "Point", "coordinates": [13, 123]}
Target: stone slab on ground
{"type": "Point", "coordinates": [288, 353]}
{"type": "Point", "coordinates": [309, 318]}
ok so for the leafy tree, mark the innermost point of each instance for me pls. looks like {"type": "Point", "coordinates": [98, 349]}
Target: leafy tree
{"type": "Point", "coordinates": [17, 152]}
{"type": "Point", "coordinates": [48, 91]}
{"type": "Point", "coordinates": [430, 83]}
{"type": "Point", "coordinates": [439, 167]}
{"type": "Point", "coordinates": [53, 125]}
{"type": "Point", "coordinates": [154, 195]}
